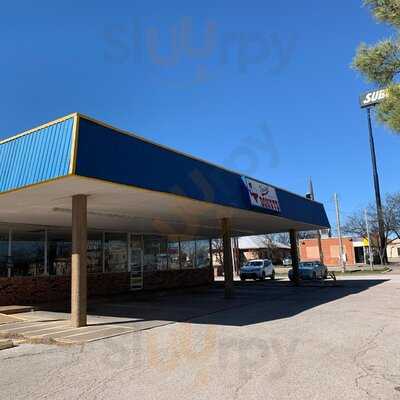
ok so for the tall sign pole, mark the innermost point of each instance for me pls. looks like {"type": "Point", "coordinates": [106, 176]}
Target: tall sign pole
{"type": "Point", "coordinates": [368, 100]}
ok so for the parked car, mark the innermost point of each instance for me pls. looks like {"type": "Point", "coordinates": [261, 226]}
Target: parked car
{"type": "Point", "coordinates": [257, 269]}
{"type": "Point", "coordinates": [287, 261]}
{"type": "Point", "coordinates": [311, 270]}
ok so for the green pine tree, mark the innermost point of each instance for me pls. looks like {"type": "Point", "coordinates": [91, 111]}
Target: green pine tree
{"type": "Point", "coordinates": [380, 63]}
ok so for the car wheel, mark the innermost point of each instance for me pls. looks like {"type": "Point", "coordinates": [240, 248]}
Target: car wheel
{"type": "Point", "coordinates": [273, 275]}
{"type": "Point", "coordinates": [242, 279]}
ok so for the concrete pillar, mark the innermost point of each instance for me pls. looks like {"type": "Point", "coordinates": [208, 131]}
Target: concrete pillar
{"type": "Point", "coordinates": [79, 261]}
{"type": "Point", "coordinates": [295, 256]}
{"type": "Point", "coordinates": [228, 267]}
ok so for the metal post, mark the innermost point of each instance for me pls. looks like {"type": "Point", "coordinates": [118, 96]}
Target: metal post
{"type": "Point", "coordinates": [339, 233]}
{"type": "Point", "coordinates": [79, 262]}
{"type": "Point", "coordinates": [294, 253]}
{"type": "Point", "coordinates": [228, 268]}
{"type": "Point", "coordinates": [382, 237]}
{"type": "Point", "coordinates": [371, 256]}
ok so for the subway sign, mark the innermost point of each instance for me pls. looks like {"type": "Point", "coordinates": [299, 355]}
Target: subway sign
{"type": "Point", "coordinates": [373, 98]}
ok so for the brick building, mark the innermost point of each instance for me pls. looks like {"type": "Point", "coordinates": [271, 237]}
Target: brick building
{"type": "Point", "coordinates": [309, 250]}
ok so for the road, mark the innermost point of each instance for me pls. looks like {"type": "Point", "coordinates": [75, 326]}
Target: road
{"type": "Point", "coordinates": [289, 343]}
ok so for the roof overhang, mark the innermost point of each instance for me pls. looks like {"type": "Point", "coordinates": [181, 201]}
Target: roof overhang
{"type": "Point", "coordinates": [132, 185]}
{"type": "Point", "coordinates": [115, 207]}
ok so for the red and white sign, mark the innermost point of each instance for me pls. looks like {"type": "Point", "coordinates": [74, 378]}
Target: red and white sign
{"type": "Point", "coordinates": [262, 195]}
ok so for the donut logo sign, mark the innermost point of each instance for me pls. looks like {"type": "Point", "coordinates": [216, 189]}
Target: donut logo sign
{"type": "Point", "coordinates": [372, 98]}
{"type": "Point", "coordinates": [261, 195]}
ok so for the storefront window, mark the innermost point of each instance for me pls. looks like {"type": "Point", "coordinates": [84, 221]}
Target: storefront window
{"type": "Point", "coordinates": [3, 254]}
{"type": "Point", "coordinates": [188, 254]}
{"type": "Point", "coordinates": [116, 252]}
{"type": "Point", "coordinates": [155, 253]}
{"type": "Point", "coordinates": [173, 255]}
{"type": "Point", "coordinates": [137, 242]}
{"type": "Point", "coordinates": [59, 252]}
{"type": "Point", "coordinates": [27, 253]}
{"type": "Point", "coordinates": [162, 261]}
{"type": "Point", "coordinates": [151, 253]}
{"type": "Point", "coordinates": [202, 254]}
{"type": "Point", "coordinates": [95, 252]}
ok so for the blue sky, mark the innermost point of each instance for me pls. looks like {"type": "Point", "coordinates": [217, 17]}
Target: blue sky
{"type": "Point", "coordinates": [268, 91]}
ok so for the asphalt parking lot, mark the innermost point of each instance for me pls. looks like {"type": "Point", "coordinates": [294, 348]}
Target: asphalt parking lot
{"type": "Point", "coordinates": [272, 341]}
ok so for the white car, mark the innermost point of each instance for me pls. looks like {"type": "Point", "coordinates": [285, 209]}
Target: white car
{"type": "Point", "coordinates": [257, 269]}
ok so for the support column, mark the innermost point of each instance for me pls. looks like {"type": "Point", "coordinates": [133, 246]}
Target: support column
{"type": "Point", "coordinates": [228, 268]}
{"type": "Point", "coordinates": [295, 256]}
{"type": "Point", "coordinates": [79, 261]}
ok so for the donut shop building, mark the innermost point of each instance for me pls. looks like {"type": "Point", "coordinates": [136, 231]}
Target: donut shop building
{"type": "Point", "coordinates": [87, 209]}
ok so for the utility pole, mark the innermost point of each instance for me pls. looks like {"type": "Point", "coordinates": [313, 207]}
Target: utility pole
{"type": "Point", "coordinates": [339, 233]}
{"type": "Point", "coordinates": [312, 197]}
{"type": "Point", "coordinates": [371, 256]}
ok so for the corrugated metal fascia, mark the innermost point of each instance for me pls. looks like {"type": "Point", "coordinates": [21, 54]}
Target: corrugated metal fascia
{"type": "Point", "coordinates": [36, 155]}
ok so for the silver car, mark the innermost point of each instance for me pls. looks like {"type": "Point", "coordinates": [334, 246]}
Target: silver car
{"type": "Point", "coordinates": [287, 262]}
{"type": "Point", "coordinates": [311, 270]}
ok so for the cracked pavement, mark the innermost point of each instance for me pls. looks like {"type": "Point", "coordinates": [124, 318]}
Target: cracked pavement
{"type": "Point", "coordinates": [291, 343]}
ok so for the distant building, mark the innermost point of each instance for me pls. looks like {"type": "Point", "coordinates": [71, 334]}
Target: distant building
{"type": "Point", "coordinates": [356, 250]}
{"type": "Point", "coordinates": [253, 247]}
{"type": "Point", "coordinates": [309, 250]}
{"type": "Point", "coordinates": [393, 251]}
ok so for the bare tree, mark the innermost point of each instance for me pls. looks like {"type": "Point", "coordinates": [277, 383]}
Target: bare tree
{"type": "Point", "coordinates": [218, 250]}
{"type": "Point", "coordinates": [355, 224]}
{"type": "Point", "coordinates": [269, 245]}
{"type": "Point", "coordinates": [282, 238]}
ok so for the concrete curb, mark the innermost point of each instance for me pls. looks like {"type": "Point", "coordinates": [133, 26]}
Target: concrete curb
{"type": "Point", "coordinates": [9, 310]}
{"type": "Point", "coordinates": [6, 344]}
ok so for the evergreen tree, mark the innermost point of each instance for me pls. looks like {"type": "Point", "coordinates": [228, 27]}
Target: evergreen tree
{"type": "Point", "coordinates": [380, 63]}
